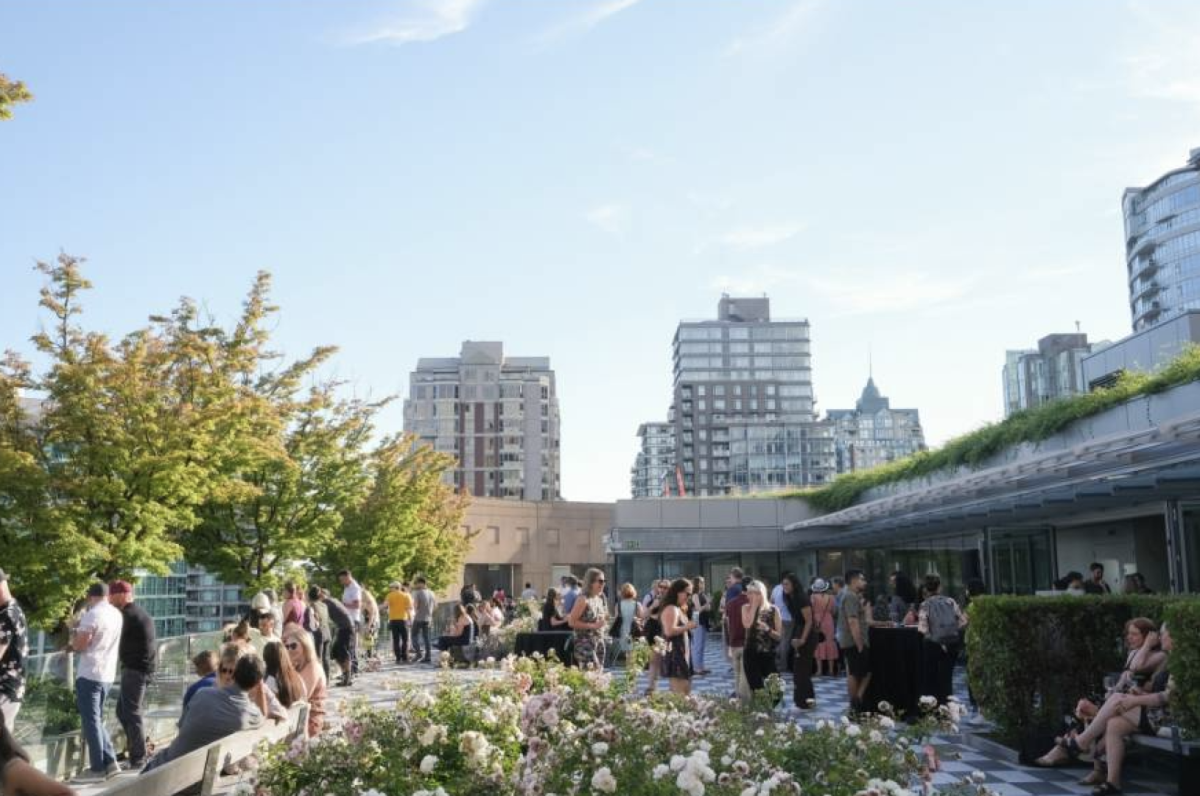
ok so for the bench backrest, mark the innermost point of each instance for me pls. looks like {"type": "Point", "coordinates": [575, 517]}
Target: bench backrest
{"type": "Point", "coordinates": [203, 766]}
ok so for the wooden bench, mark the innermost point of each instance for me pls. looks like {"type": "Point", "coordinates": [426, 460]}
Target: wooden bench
{"type": "Point", "coordinates": [200, 768]}
{"type": "Point", "coordinates": [1187, 754]}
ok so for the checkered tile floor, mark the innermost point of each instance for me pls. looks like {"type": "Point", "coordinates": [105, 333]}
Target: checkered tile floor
{"type": "Point", "coordinates": [1005, 777]}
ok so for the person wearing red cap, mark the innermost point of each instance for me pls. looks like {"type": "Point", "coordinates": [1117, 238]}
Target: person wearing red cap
{"type": "Point", "coordinates": [138, 652]}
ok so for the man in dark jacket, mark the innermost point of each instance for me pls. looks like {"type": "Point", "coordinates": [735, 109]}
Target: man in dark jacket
{"type": "Point", "coordinates": [138, 652]}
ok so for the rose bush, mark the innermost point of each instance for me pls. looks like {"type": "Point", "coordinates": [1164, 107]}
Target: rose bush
{"type": "Point", "coordinates": [538, 728]}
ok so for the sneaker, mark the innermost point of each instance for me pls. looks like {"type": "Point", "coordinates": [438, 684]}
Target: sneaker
{"type": "Point", "coordinates": [112, 769]}
{"type": "Point", "coordinates": [90, 776]}
{"type": "Point", "coordinates": [133, 765]}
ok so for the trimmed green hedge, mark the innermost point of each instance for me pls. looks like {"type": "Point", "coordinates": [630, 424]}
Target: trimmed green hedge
{"type": "Point", "coordinates": [973, 449]}
{"type": "Point", "coordinates": [1030, 659]}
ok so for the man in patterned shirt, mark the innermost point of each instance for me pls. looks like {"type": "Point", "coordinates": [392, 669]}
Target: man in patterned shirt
{"type": "Point", "coordinates": [14, 648]}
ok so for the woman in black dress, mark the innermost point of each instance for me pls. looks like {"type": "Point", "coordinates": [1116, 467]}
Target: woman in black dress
{"type": "Point", "coordinates": [677, 661]}
{"type": "Point", "coordinates": [552, 617]}
{"type": "Point", "coordinates": [764, 629]}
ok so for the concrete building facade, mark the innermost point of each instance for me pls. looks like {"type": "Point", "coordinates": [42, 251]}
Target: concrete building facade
{"type": "Point", "coordinates": [497, 415]}
{"type": "Point", "coordinates": [1162, 245]}
{"type": "Point", "coordinates": [873, 433]}
{"type": "Point", "coordinates": [653, 471]}
{"type": "Point", "coordinates": [1051, 371]}
{"type": "Point", "coordinates": [514, 542]}
{"type": "Point", "coordinates": [743, 403]}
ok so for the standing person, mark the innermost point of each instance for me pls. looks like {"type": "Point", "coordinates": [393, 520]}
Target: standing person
{"type": "Point", "coordinates": [702, 613]}
{"type": "Point", "coordinates": [630, 612]}
{"type": "Point", "coordinates": [570, 593]}
{"type": "Point", "coordinates": [293, 606]}
{"type": "Point", "coordinates": [399, 606]}
{"type": "Point", "coordinates": [423, 604]}
{"type": "Point", "coordinates": [653, 630]}
{"type": "Point", "coordinates": [780, 601]}
{"type": "Point", "coordinates": [97, 637]}
{"type": "Point", "coordinates": [138, 652]}
{"type": "Point", "coordinates": [764, 630]}
{"type": "Point", "coordinates": [352, 600]}
{"type": "Point", "coordinates": [838, 584]}
{"type": "Point", "coordinates": [735, 583]}
{"type": "Point", "coordinates": [316, 689]}
{"type": "Point", "coordinates": [318, 625]}
{"type": "Point", "coordinates": [802, 640]}
{"type": "Point", "coordinates": [589, 619]}
{"type": "Point", "coordinates": [940, 623]}
{"type": "Point", "coordinates": [735, 639]}
{"type": "Point", "coordinates": [530, 593]}
{"type": "Point", "coordinates": [1096, 584]}
{"type": "Point", "coordinates": [823, 611]}
{"type": "Point", "coordinates": [677, 660]}
{"type": "Point", "coordinates": [854, 623]}
{"type": "Point", "coordinates": [14, 649]}
{"type": "Point", "coordinates": [341, 620]}
{"type": "Point", "coordinates": [904, 597]}
{"type": "Point", "coordinates": [370, 622]}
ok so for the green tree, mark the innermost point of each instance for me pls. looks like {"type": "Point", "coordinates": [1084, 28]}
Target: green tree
{"type": "Point", "coordinates": [408, 524]}
{"type": "Point", "coordinates": [293, 460]}
{"type": "Point", "coordinates": [11, 93]}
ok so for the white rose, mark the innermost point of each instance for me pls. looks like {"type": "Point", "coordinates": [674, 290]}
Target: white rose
{"type": "Point", "coordinates": [677, 762]}
{"type": "Point", "coordinates": [428, 762]}
{"type": "Point", "coordinates": [604, 781]}
{"type": "Point", "coordinates": [853, 730]}
{"type": "Point", "coordinates": [600, 749]}
{"type": "Point", "coordinates": [660, 771]}
{"type": "Point", "coordinates": [886, 723]}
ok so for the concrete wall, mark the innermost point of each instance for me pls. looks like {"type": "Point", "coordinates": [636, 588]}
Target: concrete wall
{"type": "Point", "coordinates": [706, 525]}
{"type": "Point", "coordinates": [534, 537]}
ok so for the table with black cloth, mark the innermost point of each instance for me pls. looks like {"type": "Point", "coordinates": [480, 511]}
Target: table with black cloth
{"type": "Point", "coordinates": [896, 669]}
{"type": "Point", "coordinates": [527, 644]}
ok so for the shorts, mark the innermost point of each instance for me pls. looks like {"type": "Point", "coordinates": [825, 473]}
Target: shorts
{"type": "Point", "coordinates": [858, 664]}
{"type": "Point", "coordinates": [341, 644]}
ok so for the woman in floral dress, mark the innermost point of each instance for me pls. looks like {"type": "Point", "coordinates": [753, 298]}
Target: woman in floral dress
{"type": "Point", "coordinates": [823, 611]}
{"type": "Point", "coordinates": [589, 620]}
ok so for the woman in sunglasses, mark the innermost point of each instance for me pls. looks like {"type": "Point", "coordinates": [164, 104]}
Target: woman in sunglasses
{"type": "Point", "coordinates": [589, 620]}
{"type": "Point", "coordinates": [303, 657]}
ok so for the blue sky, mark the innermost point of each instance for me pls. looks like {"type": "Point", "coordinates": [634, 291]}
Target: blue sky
{"type": "Point", "coordinates": [935, 181]}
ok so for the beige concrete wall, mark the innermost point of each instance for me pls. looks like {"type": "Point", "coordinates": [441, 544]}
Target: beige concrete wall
{"type": "Point", "coordinates": [535, 537]}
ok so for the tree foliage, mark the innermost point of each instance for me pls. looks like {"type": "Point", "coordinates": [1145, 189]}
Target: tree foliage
{"type": "Point", "coordinates": [409, 523]}
{"type": "Point", "coordinates": [11, 93]}
{"type": "Point", "coordinates": [188, 439]}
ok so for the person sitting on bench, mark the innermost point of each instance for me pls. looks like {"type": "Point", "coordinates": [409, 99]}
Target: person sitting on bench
{"type": "Point", "coordinates": [216, 713]}
{"type": "Point", "coordinates": [461, 634]}
{"type": "Point", "coordinates": [18, 777]}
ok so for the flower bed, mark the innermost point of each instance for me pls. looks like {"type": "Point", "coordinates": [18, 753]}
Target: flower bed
{"type": "Point", "coordinates": [538, 728]}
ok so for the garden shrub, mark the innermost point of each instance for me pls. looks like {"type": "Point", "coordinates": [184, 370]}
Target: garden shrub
{"type": "Point", "coordinates": [1030, 659]}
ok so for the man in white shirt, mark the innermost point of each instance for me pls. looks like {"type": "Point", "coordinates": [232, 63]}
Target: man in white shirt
{"type": "Point", "coordinates": [96, 639]}
{"type": "Point", "coordinates": [352, 598]}
{"type": "Point", "coordinates": [785, 613]}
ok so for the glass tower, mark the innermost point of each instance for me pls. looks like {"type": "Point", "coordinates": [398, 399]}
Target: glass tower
{"type": "Point", "coordinates": [1162, 245]}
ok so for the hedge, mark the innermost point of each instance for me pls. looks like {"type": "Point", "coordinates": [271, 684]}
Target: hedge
{"type": "Point", "coordinates": [971, 450]}
{"type": "Point", "coordinates": [1030, 659]}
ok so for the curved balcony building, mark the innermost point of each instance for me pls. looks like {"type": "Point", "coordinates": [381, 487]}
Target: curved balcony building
{"type": "Point", "coordinates": [1162, 245]}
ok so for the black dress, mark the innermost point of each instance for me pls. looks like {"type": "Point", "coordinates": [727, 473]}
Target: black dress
{"type": "Point", "coordinates": [758, 661]}
{"type": "Point", "coordinates": [677, 662]}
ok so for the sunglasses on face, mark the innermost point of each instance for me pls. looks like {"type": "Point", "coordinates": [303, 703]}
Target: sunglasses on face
{"type": "Point", "coordinates": [292, 646]}
{"type": "Point", "coordinates": [226, 671]}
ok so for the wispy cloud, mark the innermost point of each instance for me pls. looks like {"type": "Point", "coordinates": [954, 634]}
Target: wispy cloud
{"type": "Point", "coordinates": [421, 21]}
{"type": "Point", "coordinates": [591, 15]}
{"type": "Point", "coordinates": [782, 28]}
{"type": "Point", "coordinates": [612, 218]}
{"type": "Point", "coordinates": [863, 293]}
{"type": "Point", "coordinates": [760, 235]}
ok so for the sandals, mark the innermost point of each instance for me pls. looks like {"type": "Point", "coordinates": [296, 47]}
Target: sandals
{"type": "Point", "coordinates": [1106, 788]}
{"type": "Point", "coordinates": [1094, 778]}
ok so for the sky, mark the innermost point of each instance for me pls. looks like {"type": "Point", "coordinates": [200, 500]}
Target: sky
{"type": "Point", "coordinates": [929, 183]}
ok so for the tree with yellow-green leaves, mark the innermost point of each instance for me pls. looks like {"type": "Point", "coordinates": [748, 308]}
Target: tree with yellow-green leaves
{"type": "Point", "coordinates": [11, 93]}
{"type": "Point", "coordinates": [187, 439]}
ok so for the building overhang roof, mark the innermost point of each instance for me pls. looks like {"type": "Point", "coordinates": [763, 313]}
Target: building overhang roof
{"type": "Point", "coordinates": [1148, 466]}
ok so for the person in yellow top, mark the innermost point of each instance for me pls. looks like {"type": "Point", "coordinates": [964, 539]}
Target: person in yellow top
{"type": "Point", "coordinates": [400, 605]}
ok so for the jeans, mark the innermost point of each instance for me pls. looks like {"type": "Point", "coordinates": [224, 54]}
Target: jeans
{"type": "Point", "coordinates": [699, 641]}
{"type": "Point", "coordinates": [399, 628]}
{"type": "Point", "coordinates": [129, 711]}
{"type": "Point", "coordinates": [421, 631]}
{"type": "Point", "coordinates": [89, 700]}
{"type": "Point", "coordinates": [741, 686]}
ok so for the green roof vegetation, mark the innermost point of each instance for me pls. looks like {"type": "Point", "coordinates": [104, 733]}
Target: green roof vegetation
{"type": "Point", "coordinates": [971, 450]}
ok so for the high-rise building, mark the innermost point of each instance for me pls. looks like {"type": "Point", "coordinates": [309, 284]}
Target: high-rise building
{"type": "Point", "coordinates": [743, 400]}
{"type": "Point", "coordinates": [653, 471]}
{"type": "Point", "coordinates": [1051, 371]}
{"type": "Point", "coordinates": [498, 416]}
{"type": "Point", "coordinates": [1162, 245]}
{"type": "Point", "coordinates": [873, 433]}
